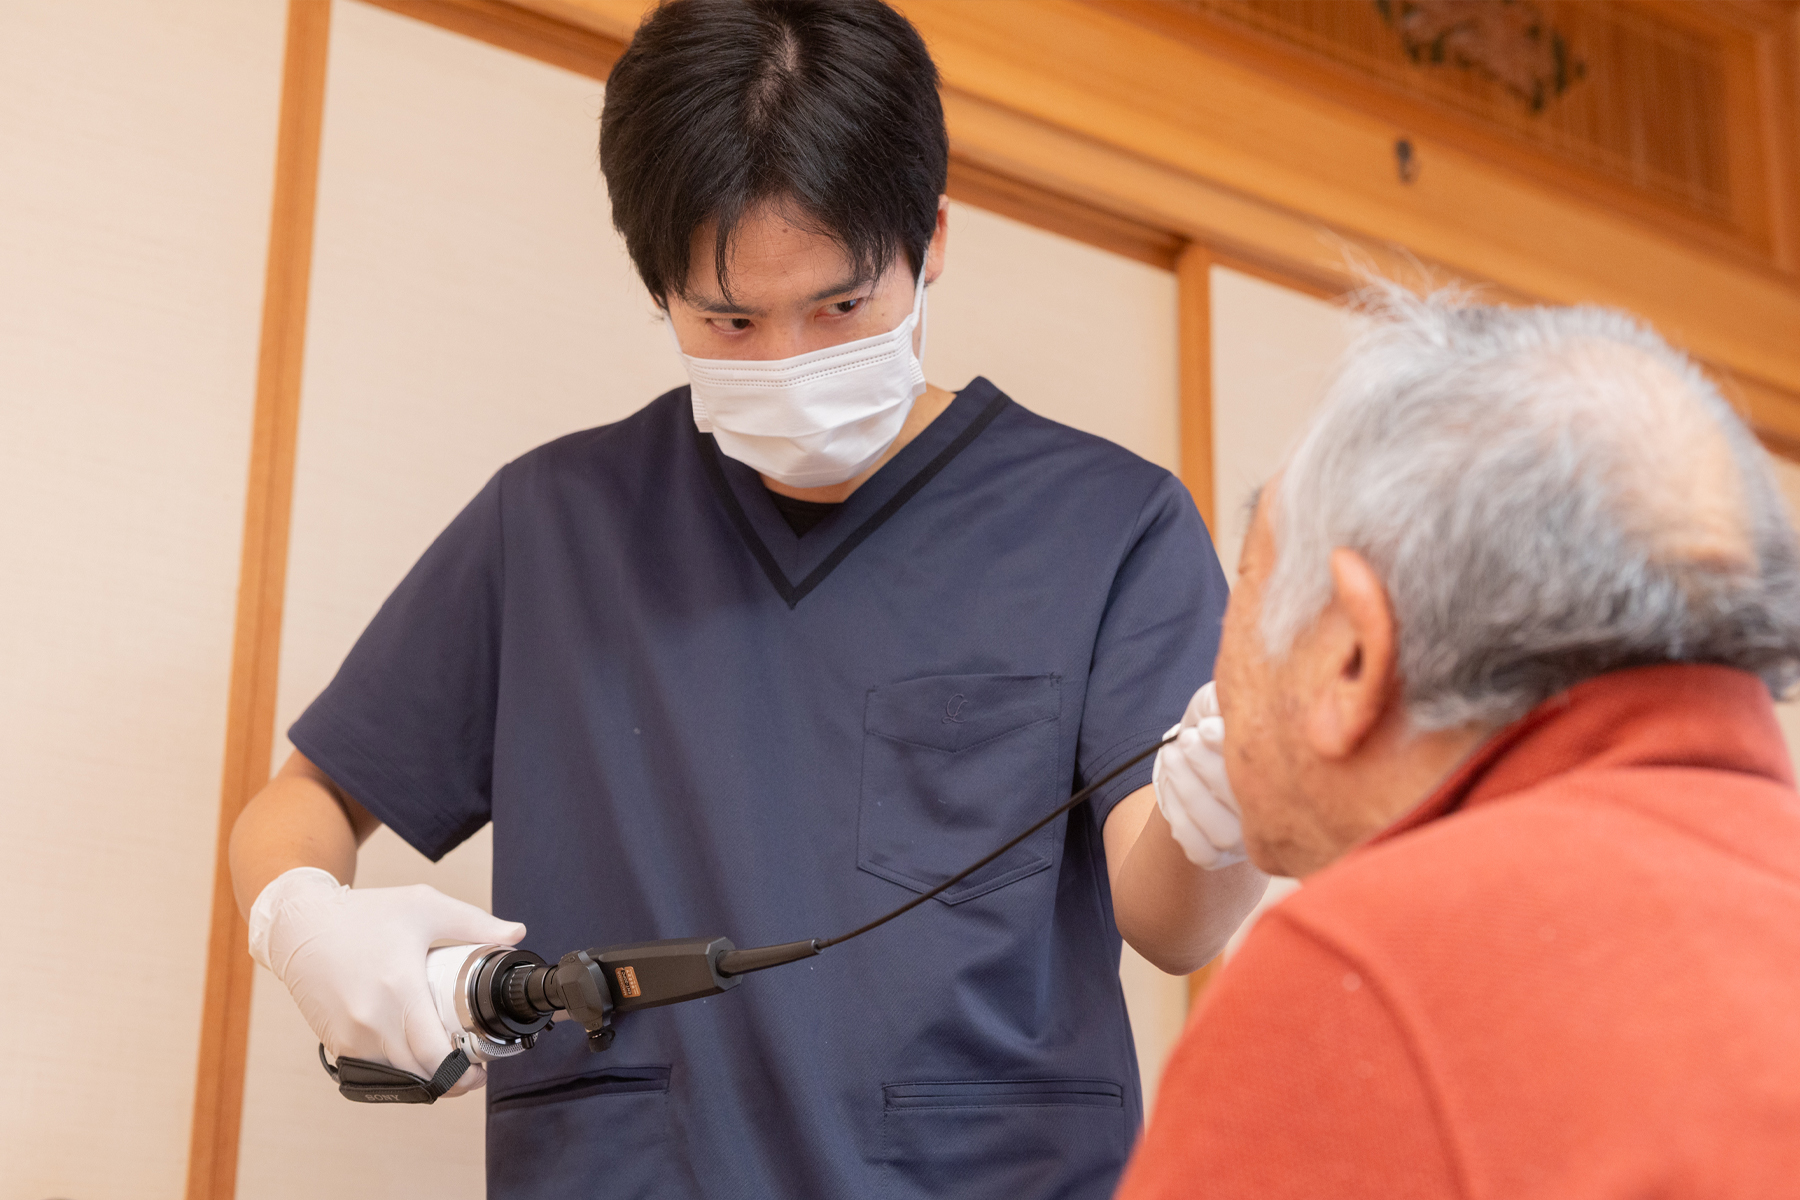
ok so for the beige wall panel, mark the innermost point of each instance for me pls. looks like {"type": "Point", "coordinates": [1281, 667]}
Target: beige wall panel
{"type": "Point", "coordinates": [137, 146]}
{"type": "Point", "coordinates": [1273, 353]}
{"type": "Point", "coordinates": [1073, 333]}
{"type": "Point", "coordinates": [1087, 338]}
{"type": "Point", "coordinates": [470, 301]}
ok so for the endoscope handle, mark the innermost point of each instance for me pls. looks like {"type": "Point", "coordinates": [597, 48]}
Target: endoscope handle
{"type": "Point", "coordinates": [741, 962]}
{"type": "Point", "coordinates": [651, 974]}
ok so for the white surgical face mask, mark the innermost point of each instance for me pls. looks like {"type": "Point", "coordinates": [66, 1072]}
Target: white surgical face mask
{"type": "Point", "coordinates": [818, 418]}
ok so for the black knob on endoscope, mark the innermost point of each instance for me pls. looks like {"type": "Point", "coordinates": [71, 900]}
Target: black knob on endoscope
{"type": "Point", "coordinates": [501, 1007]}
{"type": "Point", "coordinates": [514, 1000]}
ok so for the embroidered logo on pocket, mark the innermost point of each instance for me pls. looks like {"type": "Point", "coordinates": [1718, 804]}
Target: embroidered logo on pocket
{"type": "Point", "coordinates": [953, 765]}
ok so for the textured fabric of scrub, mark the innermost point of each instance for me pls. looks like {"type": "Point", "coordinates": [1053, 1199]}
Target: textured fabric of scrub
{"type": "Point", "coordinates": [682, 719]}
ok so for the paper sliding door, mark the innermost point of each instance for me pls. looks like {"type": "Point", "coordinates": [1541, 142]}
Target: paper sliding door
{"type": "Point", "coordinates": [137, 144]}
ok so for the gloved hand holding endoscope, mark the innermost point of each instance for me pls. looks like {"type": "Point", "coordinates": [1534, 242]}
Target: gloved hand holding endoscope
{"type": "Point", "coordinates": [354, 961]}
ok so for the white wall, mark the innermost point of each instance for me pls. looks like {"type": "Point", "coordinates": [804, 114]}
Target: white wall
{"type": "Point", "coordinates": [1073, 333]}
{"type": "Point", "coordinates": [137, 144]}
{"type": "Point", "coordinates": [1273, 352]}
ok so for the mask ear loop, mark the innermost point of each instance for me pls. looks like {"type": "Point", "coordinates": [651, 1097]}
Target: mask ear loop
{"type": "Point", "coordinates": [702, 420]}
{"type": "Point", "coordinates": [919, 318]}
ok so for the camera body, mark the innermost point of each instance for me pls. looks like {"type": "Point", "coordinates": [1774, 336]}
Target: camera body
{"type": "Point", "coordinates": [495, 1001]}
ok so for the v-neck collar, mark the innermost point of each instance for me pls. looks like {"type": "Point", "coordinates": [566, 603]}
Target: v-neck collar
{"type": "Point", "coordinates": [796, 565]}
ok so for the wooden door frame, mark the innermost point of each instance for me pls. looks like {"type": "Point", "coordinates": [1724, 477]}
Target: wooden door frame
{"type": "Point", "coordinates": [262, 588]}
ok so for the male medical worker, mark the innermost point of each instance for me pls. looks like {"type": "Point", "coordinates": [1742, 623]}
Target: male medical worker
{"type": "Point", "coordinates": [1496, 680]}
{"type": "Point", "coordinates": [777, 652]}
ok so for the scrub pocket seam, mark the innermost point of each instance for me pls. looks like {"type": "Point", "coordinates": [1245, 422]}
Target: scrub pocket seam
{"type": "Point", "coordinates": [619, 1081]}
{"type": "Point", "coordinates": [1002, 1093]}
{"type": "Point", "coordinates": [1002, 1137]}
{"type": "Point", "coordinates": [906, 741]}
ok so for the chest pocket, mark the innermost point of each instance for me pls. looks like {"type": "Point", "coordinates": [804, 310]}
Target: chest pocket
{"type": "Point", "coordinates": [954, 765]}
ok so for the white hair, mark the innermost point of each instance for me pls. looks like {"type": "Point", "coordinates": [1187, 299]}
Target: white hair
{"type": "Point", "coordinates": [1546, 494]}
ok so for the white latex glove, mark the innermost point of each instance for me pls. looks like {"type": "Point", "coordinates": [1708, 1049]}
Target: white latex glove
{"type": "Point", "coordinates": [354, 961]}
{"type": "Point", "coordinates": [1192, 790]}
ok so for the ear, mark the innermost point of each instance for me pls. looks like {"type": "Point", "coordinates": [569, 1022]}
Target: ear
{"type": "Point", "coordinates": [934, 254]}
{"type": "Point", "coordinates": [1352, 667]}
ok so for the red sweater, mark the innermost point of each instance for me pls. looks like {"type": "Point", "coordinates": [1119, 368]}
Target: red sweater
{"type": "Point", "coordinates": [1574, 971]}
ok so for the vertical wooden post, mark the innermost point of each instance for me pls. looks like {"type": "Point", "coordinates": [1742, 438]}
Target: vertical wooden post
{"type": "Point", "coordinates": [1193, 277]}
{"type": "Point", "coordinates": [1193, 280]}
{"type": "Point", "coordinates": [262, 578]}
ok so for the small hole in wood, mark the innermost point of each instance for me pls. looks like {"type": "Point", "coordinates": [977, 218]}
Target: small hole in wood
{"type": "Point", "coordinates": [1406, 159]}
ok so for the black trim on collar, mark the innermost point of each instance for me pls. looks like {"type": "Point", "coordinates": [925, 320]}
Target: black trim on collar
{"type": "Point", "coordinates": [794, 593]}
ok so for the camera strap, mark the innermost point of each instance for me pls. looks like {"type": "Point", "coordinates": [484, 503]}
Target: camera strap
{"type": "Point", "coordinates": [377, 1083]}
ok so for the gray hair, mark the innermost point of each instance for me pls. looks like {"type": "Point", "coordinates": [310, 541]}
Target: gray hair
{"type": "Point", "coordinates": [1547, 494]}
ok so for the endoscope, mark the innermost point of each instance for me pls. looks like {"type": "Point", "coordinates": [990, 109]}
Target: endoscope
{"type": "Point", "coordinates": [496, 1001]}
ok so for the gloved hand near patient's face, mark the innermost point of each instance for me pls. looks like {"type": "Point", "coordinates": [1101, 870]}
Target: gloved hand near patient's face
{"type": "Point", "coordinates": [354, 961]}
{"type": "Point", "coordinates": [1192, 790]}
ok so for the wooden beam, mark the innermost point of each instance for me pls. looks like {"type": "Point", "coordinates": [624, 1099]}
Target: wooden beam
{"type": "Point", "coordinates": [1177, 137]}
{"type": "Point", "coordinates": [262, 578]}
{"type": "Point", "coordinates": [1504, 138]}
{"type": "Point", "coordinates": [613, 18]}
{"type": "Point", "coordinates": [1773, 414]}
{"type": "Point", "coordinates": [975, 184]}
{"type": "Point", "coordinates": [1193, 282]}
{"type": "Point", "coordinates": [1778, 51]}
{"type": "Point", "coordinates": [1193, 279]}
{"type": "Point", "coordinates": [522, 30]}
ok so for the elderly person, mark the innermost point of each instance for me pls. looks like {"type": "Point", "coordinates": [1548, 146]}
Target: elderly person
{"type": "Point", "coordinates": [1496, 682]}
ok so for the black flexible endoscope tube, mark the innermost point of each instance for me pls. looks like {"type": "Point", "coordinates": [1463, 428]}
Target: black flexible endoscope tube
{"type": "Point", "coordinates": [758, 958]}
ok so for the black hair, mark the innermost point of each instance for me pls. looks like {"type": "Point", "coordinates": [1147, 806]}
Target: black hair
{"type": "Point", "coordinates": [828, 106]}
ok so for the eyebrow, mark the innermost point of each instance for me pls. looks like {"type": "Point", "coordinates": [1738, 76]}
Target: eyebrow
{"type": "Point", "coordinates": [724, 308]}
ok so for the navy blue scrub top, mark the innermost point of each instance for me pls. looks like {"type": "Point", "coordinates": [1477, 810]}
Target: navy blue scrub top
{"type": "Point", "coordinates": [682, 719]}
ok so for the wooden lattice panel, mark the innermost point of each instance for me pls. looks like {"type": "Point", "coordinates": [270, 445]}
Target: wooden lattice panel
{"type": "Point", "coordinates": [1606, 87]}
{"type": "Point", "coordinates": [1677, 111]}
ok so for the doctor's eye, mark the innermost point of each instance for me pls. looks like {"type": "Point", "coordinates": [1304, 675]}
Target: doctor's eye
{"type": "Point", "coordinates": [843, 308]}
{"type": "Point", "coordinates": [729, 324]}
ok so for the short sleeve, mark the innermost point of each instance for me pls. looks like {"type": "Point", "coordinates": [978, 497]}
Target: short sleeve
{"type": "Point", "coordinates": [1156, 644]}
{"type": "Point", "coordinates": [1293, 1080]}
{"type": "Point", "coordinates": [407, 726]}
